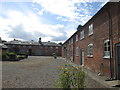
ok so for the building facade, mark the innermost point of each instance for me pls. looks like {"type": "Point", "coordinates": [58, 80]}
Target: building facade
{"type": "Point", "coordinates": [3, 50]}
{"type": "Point", "coordinates": [96, 45]}
{"type": "Point", "coordinates": [33, 48]}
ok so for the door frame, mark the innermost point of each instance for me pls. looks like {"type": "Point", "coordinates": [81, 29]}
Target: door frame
{"type": "Point", "coordinates": [117, 66]}
{"type": "Point", "coordinates": [81, 56]}
{"type": "Point", "coordinates": [30, 52]}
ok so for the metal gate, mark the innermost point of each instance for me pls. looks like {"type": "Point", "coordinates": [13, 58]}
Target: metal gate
{"type": "Point", "coordinates": [118, 61]}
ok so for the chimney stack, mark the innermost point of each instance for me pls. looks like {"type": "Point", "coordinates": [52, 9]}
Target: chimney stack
{"type": "Point", "coordinates": [40, 40]}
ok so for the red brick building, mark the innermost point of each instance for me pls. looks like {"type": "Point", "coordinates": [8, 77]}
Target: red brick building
{"type": "Point", "coordinates": [96, 45]}
{"type": "Point", "coordinates": [34, 48]}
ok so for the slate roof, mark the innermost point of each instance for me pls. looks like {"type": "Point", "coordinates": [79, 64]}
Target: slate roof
{"type": "Point", "coordinates": [50, 44]}
{"type": "Point", "coordinates": [3, 46]}
{"type": "Point", "coordinates": [19, 42]}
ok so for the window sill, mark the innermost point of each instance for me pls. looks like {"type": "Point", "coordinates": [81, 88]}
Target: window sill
{"type": "Point", "coordinates": [81, 38]}
{"type": "Point", "coordinates": [90, 34]}
{"type": "Point", "coordinates": [90, 56]}
{"type": "Point", "coordinates": [106, 57]}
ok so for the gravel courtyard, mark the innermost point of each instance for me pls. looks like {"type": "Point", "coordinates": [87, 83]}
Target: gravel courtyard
{"type": "Point", "coordinates": [39, 72]}
{"type": "Point", "coordinates": [34, 72]}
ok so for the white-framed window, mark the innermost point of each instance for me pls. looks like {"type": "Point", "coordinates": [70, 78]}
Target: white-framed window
{"type": "Point", "coordinates": [24, 46]}
{"type": "Point", "coordinates": [107, 48]}
{"type": "Point", "coordinates": [13, 45]}
{"type": "Point", "coordinates": [82, 35]}
{"type": "Point", "coordinates": [77, 51]}
{"type": "Point", "coordinates": [56, 47]}
{"type": "Point", "coordinates": [30, 46]}
{"type": "Point", "coordinates": [90, 32]}
{"type": "Point", "coordinates": [71, 40]}
{"type": "Point", "coordinates": [90, 50]}
{"type": "Point", "coordinates": [76, 37]}
{"type": "Point", "coordinates": [19, 46]}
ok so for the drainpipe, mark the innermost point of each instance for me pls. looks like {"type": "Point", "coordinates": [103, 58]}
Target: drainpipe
{"type": "Point", "coordinates": [73, 47]}
{"type": "Point", "coordinates": [111, 42]}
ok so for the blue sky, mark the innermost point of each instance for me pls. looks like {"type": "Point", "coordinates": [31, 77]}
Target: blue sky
{"type": "Point", "coordinates": [52, 20]}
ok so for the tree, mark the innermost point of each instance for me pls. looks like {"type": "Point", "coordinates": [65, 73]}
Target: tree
{"type": "Point", "coordinates": [60, 43]}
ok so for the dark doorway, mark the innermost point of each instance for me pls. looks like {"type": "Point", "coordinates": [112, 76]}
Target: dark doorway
{"type": "Point", "coordinates": [118, 61]}
{"type": "Point", "coordinates": [82, 57]}
{"type": "Point", "coordinates": [30, 52]}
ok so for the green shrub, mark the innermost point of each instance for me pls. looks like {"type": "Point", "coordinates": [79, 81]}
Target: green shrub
{"type": "Point", "coordinates": [24, 55]}
{"type": "Point", "coordinates": [70, 77]}
{"type": "Point", "coordinates": [20, 56]}
{"type": "Point", "coordinates": [11, 55]}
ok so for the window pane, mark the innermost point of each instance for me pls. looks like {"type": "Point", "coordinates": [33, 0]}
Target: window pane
{"type": "Point", "coordinates": [90, 49]}
{"type": "Point", "coordinates": [82, 34]}
{"type": "Point", "coordinates": [106, 53]}
{"type": "Point", "coordinates": [109, 43]}
{"type": "Point", "coordinates": [76, 51]}
{"type": "Point", "coordinates": [76, 37]}
{"type": "Point", "coordinates": [109, 48]}
{"type": "Point", "coordinates": [105, 48]}
{"type": "Point", "coordinates": [92, 27]}
{"type": "Point", "coordinates": [105, 44]}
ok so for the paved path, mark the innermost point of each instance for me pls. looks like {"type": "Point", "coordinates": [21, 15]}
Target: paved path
{"type": "Point", "coordinates": [34, 72]}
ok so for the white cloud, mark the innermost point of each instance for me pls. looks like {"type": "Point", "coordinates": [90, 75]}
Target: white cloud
{"type": "Point", "coordinates": [74, 0]}
{"type": "Point", "coordinates": [68, 10]}
{"type": "Point", "coordinates": [40, 12]}
{"type": "Point", "coordinates": [35, 8]}
{"type": "Point", "coordinates": [59, 7]}
{"type": "Point", "coordinates": [28, 26]}
{"type": "Point", "coordinates": [73, 12]}
{"type": "Point", "coordinates": [104, 3]}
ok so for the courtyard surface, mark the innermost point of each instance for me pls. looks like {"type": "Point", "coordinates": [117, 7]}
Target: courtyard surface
{"type": "Point", "coordinates": [40, 72]}
{"type": "Point", "coordinates": [34, 72]}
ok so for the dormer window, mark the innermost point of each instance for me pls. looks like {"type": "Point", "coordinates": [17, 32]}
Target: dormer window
{"type": "Point", "coordinates": [82, 35]}
{"type": "Point", "coordinates": [90, 32]}
{"type": "Point", "coordinates": [71, 40]}
{"type": "Point", "coordinates": [76, 37]}
{"type": "Point", "coordinates": [76, 51]}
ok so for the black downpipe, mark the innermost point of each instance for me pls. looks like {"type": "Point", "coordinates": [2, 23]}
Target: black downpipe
{"type": "Point", "coordinates": [73, 47]}
{"type": "Point", "coordinates": [111, 42]}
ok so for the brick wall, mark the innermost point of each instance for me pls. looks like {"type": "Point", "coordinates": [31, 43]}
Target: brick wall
{"type": "Point", "coordinates": [38, 50]}
{"type": "Point", "coordinates": [101, 32]}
